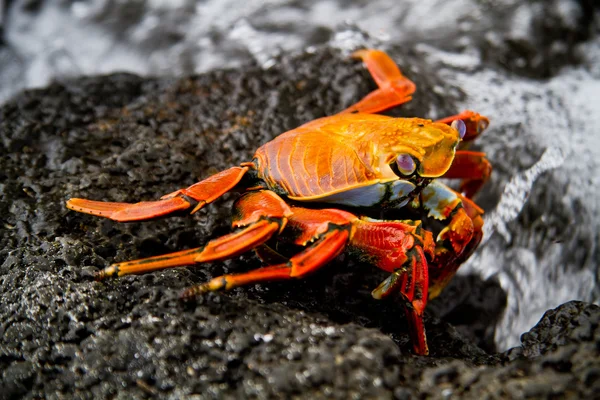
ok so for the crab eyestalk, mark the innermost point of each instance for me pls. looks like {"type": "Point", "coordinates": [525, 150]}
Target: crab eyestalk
{"type": "Point", "coordinates": [459, 126]}
{"type": "Point", "coordinates": [405, 164]}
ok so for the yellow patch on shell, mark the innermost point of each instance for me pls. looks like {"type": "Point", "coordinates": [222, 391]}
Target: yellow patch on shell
{"type": "Point", "coordinates": [433, 144]}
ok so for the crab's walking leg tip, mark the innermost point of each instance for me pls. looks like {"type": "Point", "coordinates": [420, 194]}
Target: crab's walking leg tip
{"type": "Point", "coordinates": [211, 286]}
{"type": "Point", "coordinates": [107, 272]}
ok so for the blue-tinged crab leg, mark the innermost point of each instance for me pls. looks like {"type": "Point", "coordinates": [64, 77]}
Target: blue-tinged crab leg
{"type": "Point", "coordinates": [202, 193]}
{"type": "Point", "coordinates": [394, 88]}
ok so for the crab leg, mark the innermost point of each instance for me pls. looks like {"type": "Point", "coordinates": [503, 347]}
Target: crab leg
{"type": "Point", "coordinates": [473, 168]}
{"type": "Point", "coordinates": [395, 246]}
{"type": "Point", "coordinates": [259, 216]}
{"type": "Point", "coordinates": [328, 246]}
{"type": "Point", "coordinates": [328, 230]}
{"type": "Point", "coordinates": [394, 88]}
{"type": "Point", "coordinates": [411, 282]}
{"type": "Point", "coordinates": [224, 247]}
{"type": "Point", "coordinates": [399, 247]}
{"type": "Point", "coordinates": [203, 192]}
{"type": "Point", "coordinates": [475, 123]}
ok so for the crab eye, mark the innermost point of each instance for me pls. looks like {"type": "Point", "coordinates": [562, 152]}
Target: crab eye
{"type": "Point", "coordinates": [459, 126]}
{"type": "Point", "coordinates": [405, 163]}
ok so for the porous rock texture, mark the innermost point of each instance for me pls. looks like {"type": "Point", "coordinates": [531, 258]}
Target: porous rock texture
{"type": "Point", "coordinates": [124, 138]}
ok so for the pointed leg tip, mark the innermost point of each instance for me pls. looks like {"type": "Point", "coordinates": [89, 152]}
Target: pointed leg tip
{"type": "Point", "coordinates": [126, 212]}
{"type": "Point", "coordinates": [70, 202]}
{"type": "Point", "coordinates": [385, 288]}
{"type": "Point", "coordinates": [108, 272]}
{"type": "Point", "coordinates": [376, 295]}
{"type": "Point", "coordinates": [99, 276]}
{"type": "Point", "coordinates": [75, 204]}
{"type": "Point", "coordinates": [193, 292]}
{"type": "Point", "coordinates": [96, 208]}
{"type": "Point", "coordinates": [211, 286]}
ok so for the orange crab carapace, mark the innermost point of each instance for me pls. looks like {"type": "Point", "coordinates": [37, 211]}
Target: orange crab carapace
{"type": "Point", "coordinates": [314, 185]}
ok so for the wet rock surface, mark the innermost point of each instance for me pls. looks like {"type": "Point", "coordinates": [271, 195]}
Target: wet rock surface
{"type": "Point", "coordinates": [124, 138]}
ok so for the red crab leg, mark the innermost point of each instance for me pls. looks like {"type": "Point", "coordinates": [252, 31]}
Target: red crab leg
{"type": "Point", "coordinates": [218, 249]}
{"type": "Point", "coordinates": [412, 282]}
{"type": "Point", "coordinates": [315, 256]}
{"type": "Point", "coordinates": [475, 123]}
{"type": "Point", "coordinates": [460, 236]}
{"type": "Point", "coordinates": [473, 168]}
{"type": "Point", "coordinates": [203, 192]}
{"type": "Point", "coordinates": [259, 216]}
{"type": "Point", "coordinates": [394, 88]}
{"type": "Point", "coordinates": [328, 230]}
{"type": "Point", "coordinates": [399, 247]}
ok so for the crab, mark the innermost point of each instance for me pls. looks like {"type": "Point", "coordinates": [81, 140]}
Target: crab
{"type": "Point", "coordinates": [316, 187]}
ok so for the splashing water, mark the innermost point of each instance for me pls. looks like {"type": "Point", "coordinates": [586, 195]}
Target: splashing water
{"type": "Point", "coordinates": [516, 193]}
{"type": "Point", "coordinates": [541, 239]}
